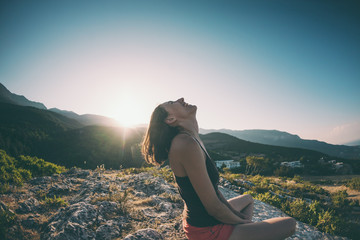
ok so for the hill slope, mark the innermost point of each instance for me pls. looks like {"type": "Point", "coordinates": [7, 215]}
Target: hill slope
{"type": "Point", "coordinates": [112, 204]}
{"type": "Point", "coordinates": [284, 139]}
{"type": "Point", "coordinates": [222, 142]}
{"type": "Point", "coordinates": [7, 97]}
{"type": "Point", "coordinates": [87, 119]}
{"type": "Point", "coordinates": [62, 140]}
{"type": "Point", "coordinates": [23, 128]}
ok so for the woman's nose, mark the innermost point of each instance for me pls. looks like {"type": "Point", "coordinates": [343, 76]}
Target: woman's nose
{"type": "Point", "coordinates": [180, 100]}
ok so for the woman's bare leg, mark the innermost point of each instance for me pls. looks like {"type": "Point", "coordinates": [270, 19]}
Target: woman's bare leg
{"type": "Point", "coordinates": [244, 204]}
{"type": "Point", "coordinates": [270, 229]}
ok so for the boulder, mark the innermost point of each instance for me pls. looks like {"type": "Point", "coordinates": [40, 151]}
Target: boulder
{"type": "Point", "coordinates": [110, 230]}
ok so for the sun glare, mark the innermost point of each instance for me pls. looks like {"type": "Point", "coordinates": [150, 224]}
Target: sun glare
{"type": "Point", "coordinates": [129, 112]}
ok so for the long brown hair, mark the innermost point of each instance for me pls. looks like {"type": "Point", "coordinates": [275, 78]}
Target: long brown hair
{"type": "Point", "coordinates": [157, 140]}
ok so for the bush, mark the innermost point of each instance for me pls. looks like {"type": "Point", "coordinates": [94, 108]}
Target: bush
{"type": "Point", "coordinates": [289, 197]}
{"type": "Point", "coordinates": [7, 219]}
{"type": "Point", "coordinates": [18, 171]}
{"type": "Point", "coordinates": [328, 222]}
{"type": "Point", "coordinates": [54, 202]}
{"type": "Point", "coordinates": [339, 199]}
{"type": "Point", "coordinates": [354, 183]}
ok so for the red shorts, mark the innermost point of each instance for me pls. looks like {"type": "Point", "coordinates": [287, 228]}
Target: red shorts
{"type": "Point", "coordinates": [217, 232]}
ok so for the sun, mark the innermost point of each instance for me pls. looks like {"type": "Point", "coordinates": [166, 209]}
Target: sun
{"type": "Point", "coordinates": [129, 112]}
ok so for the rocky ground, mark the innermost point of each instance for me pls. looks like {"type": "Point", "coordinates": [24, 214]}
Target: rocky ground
{"type": "Point", "coordinates": [83, 204]}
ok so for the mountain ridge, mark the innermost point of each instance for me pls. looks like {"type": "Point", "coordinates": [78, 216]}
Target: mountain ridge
{"type": "Point", "coordinates": [9, 97]}
{"type": "Point", "coordinates": [269, 137]}
{"type": "Point", "coordinates": [285, 139]}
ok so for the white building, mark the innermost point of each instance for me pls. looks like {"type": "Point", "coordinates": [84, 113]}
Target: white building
{"type": "Point", "coordinates": [227, 163]}
{"type": "Point", "coordinates": [294, 164]}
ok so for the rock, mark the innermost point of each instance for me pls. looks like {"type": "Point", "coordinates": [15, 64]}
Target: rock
{"type": "Point", "coordinates": [30, 205]}
{"type": "Point", "coordinates": [143, 234]}
{"type": "Point", "coordinates": [41, 180]}
{"type": "Point", "coordinates": [3, 206]}
{"type": "Point", "coordinates": [152, 202]}
{"type": "Point", "coordinates": [107, 207]}
{"type": "Point", "coordinates": [110, 230]}
{"type": "Point", "coordinates": [78, 173]}
{"type": "Point", "coordinates": [166, 207]}
{"type": "Point", "coordinates": [59, 189]}
{"type": "Point", "coordinates": [31, 222]}
{"type": "Point", "coordinates": [74, 231]}
{"type": "Point", "coordinates": [72, 222]}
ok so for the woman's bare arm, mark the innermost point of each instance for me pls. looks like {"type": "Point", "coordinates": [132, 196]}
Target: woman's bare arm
{"type": "Point", "coordinates": [222, 199]}
{"type": "Point", "coordinates": [186, 151]}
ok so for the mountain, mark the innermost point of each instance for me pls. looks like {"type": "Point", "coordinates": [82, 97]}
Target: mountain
{"type": "Point", "coordinates": [22, 129]}
{"type": "Point", "coordinates": [65, 141]}
{"type": "Point", "coordinates": [91, 146]}
{"type": "Point", "coordinates": [7, 97]}
{"type": "Point", "coordinates": [284, 139]}
{"type": "Point", "coordinates": [354, 143]}
{"type": "Point", "coordinates": [225, 143]}
{"type": "Point", "coordinates": [88, 119]}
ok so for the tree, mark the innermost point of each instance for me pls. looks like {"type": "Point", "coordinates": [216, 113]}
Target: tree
{"type": "Point", "coordinates": [257, 164]}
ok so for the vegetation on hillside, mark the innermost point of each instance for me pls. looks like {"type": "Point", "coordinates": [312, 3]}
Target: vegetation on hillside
{"type": "Point", "coordinates": [61, 140]}
{"type": "Point", "coordinates": [354, 183]}
{"type": "Point", "coordinates": [308, 203]}
{"type": "Point", "coordinates": [16, 171]}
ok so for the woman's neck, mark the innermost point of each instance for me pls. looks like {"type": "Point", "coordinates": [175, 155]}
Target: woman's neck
{"type": "Point", "coordinates": [190, 127]}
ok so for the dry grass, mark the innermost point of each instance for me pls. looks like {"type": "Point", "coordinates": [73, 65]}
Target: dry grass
{"type": "Point", "coordinates": [353, 194]}
{"type": "Point", "coordinates": [334, 184]}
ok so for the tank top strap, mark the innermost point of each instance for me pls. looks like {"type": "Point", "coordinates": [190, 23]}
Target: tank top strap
{"type": "Point", "coordinates": [198, 143]}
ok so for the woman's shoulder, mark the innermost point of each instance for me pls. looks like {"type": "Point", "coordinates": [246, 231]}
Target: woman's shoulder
{"type": "Point", "coordinates": [183, 141]}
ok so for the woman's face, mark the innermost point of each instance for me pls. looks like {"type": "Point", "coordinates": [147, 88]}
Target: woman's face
{"type": "Point", "coordinates": [179, 109]}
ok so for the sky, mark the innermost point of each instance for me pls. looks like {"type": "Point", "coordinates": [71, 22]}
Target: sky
{"type": "Point", "coordinates": [287, 65]}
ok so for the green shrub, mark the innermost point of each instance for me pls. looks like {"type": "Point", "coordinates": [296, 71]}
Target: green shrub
{"type": "Point", "coordinates": [300, 210]}
{"type": "Point", "coordinates": [328, 222]}
{"type": "Point", "coordinates": [54, 202]}
{"type": "Point", "coordinates": [330, 218]}
{"type": "Point", "coordinates": [18, 171]}
{"type": "Point", "coordinates": [354, 183]}
{"type": "Point", "coordinates": [4, 188]}
{"type": "Point", "coordinates": [339, 199]}
{"type": "Point", "coordinates": [7, 219]}
{"type": "Point", "coordinates": [272, 199]}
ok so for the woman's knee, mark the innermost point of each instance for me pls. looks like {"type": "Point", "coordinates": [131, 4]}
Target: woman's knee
{"type": "Point", "coordinates": [292, 224]}
{"type": "Point", "coordinates": [249, 198]}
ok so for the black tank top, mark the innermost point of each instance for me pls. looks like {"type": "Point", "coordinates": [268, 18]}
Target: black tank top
{"type": "Point", "coordinates": [195, 212]}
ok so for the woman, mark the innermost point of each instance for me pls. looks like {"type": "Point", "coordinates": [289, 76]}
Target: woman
{"type": "Point", "coordinates": [173, 134]}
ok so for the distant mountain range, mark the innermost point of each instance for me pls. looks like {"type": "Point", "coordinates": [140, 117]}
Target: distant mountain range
{"type": "Point", "coordinates": [284, 139]}
{"type": "Point", "coordinates": [39, 117]}
{"type": "Point", "coordinates": [353, 143]}
{"type": "Point", "coordinates": [8, 97]}
{"type": "Point", "coordinates": [86, 119]}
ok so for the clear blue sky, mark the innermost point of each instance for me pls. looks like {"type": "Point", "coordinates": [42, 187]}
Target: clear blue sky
{"type": "Point", "coordinates": [286, 65]}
